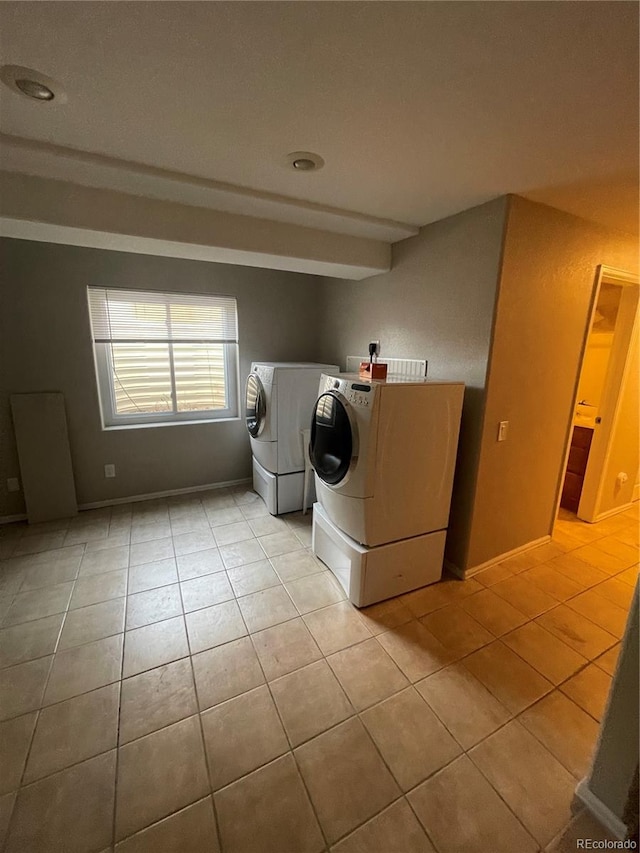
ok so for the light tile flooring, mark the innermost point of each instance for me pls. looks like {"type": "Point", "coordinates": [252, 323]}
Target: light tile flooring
{"type": "Point", "coordinates": [183, 675]}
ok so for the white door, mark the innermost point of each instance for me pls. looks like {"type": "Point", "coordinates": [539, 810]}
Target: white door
{"type": "Point", "coordinates": [612, 463]}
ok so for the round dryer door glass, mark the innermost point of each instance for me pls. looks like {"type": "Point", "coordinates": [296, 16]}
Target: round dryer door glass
{"type": "Point", "coordinates": [331, 444]}
{"type": "Point", "coordinates": [255, 407]}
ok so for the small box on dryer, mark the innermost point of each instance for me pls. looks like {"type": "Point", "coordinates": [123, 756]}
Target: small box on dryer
{"type": "Point", "coordinates": [372, 370]}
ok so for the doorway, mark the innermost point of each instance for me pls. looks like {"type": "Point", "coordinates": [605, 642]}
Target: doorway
{"type": "Point", "coordinates": [601, 462]}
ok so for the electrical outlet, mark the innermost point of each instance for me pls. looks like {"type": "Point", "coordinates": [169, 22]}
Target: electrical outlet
{"type": "Point", "coordinates": [13, 484]}
{"type": "Point", "coordinates": [375, 344]}
{"type": "Point", "coordinates": [109, 471]}
{"type": "Point", "coordinates": [503, 428]}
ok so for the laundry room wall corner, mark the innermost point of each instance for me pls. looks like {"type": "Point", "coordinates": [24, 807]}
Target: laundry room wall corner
{"type": "Point", "coordinates": [437, 302]}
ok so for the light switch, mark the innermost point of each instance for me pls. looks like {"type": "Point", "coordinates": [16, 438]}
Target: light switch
{"type": "Point", "coordinates": [503, 428]}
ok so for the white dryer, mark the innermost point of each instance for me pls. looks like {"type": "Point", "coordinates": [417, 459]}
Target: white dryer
{"type": "Point", "coordinates": [384, 454]}
{"type": "Point", "coordinates": [279, 402]}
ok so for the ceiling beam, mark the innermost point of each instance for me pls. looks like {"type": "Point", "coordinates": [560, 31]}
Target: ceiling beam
{"type": "Point", "coordinates": [46, 160]}
{"type": "Point", "coordinates": [36, 208]}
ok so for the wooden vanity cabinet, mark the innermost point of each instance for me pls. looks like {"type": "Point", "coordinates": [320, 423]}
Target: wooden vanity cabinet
{"type": "Point", "coordinates": [576, 467]}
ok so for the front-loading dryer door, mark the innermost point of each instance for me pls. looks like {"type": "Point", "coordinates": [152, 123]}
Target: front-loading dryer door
{"type": "Point", "coordinates": [255, 405]}
{"type": "Point", "coordinates": [333, 446]}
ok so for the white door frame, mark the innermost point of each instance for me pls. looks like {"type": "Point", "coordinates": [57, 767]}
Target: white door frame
{"type": "Point", "coordinates": [619, 365]}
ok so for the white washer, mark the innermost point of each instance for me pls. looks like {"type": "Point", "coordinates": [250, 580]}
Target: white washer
{"type": "Point", "coordinates": [279, 402]}
{"type": "Point", "coordinates": [384, 453]}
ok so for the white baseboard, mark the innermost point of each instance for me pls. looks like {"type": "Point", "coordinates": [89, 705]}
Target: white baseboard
{"type": "Point", "coordinates": [164, 494]}
{"type": "Point", "coordinates": [600, 811]}
{"type": "Point", "coordinates": [469, 573]}
{"type": "Point", "coordinates": [10, 519]}
{"type": "Point", "coordinates": [610, 512]}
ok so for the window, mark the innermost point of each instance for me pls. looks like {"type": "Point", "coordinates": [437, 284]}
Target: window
{"type": "Point", "coordinates": [164, 357]}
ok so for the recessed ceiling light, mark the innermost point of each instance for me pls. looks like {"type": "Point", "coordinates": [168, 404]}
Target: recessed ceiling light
{"type": "Point", "coordinates": [305, 164]}
{"type": "Point", "coordinates": [32, 84]}
{"type": "Point", "coordinates": [304, 161]}
{"type": "Point", "coordinates": [34, 89]}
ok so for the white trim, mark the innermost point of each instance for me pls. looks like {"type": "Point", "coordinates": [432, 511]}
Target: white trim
{"type": "Point", "coordinates": [619, 366]}
{"type": "Point", "coordinates": [600, 811]}
{"type": "Point", "coordinates": [615, 511]}
{"type": "Point", "coordinates": [111, 323]}
{"type": "Point", "coordinates": [62, 163]}
{"type": "Point", "coordinates": [11, 519]}
{"type": "Point", "coordinates": [610, 275]}
{"type": "Point", "coordinates": [595, 291]}
{"type": "Point", "coordinates": [167, 493]}
{"type": "Point", "coordinates": [617, 276]}
{"type": "Point", "coordinates": [469, 573]}
{"type": "Point", "coordinates": [172, 423]}
{"type": "Point", "coordinates": [369, 261]}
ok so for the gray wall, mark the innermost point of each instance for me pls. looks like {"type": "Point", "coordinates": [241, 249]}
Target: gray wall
{"type": "Point", "coordinates": [45, 345]}
{"type": "Point", "coordinates": [436, 303]}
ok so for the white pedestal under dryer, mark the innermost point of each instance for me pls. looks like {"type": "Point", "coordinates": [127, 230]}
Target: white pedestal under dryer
{"type": "Point", "coordinates": [384, 455]}
{"type": "Point", "coordinates": [369, 575]}
{"type": "Point", "coordinates": [279, 402]}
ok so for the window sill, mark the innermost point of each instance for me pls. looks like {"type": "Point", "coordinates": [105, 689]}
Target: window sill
{"type": "Point", "coordinates": [155, 424]}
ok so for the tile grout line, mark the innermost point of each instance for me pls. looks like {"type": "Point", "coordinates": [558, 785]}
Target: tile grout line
{"type": "Point", "coordinates": [286, 734]}
{"type": "Point", "coordinates": [530, 619]}
{"type": "Point", "coordinates": [41, 706]}
{"type": "Point", "coordinates": [514, 715]}
{"type": "Point", "coordinates": [420, 823]}
{"type": "Point", "coordinates": [493, 787]}
{"type": "Point", "coordinates": [500, 638]}
{"type": "Point", "coordinates": [117, 744]}
{"type": "Point", "coordinates": [200, 725]}
{"type": "Point", "coordinates": [308, 740]}
{"type": "Point", "coordinates": [588, 661]}
{"type": "Point", "coordinates": [277, 710]}
{"type": "Point", "coordinates": [154, 621]}
{"type": "Point", "coordinates": [357, 714]}
{"type": "Point", "coordinates": [464, 753]}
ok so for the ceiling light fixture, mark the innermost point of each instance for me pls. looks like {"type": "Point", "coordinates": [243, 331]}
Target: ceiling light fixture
{"type": "Point", "coordinates": [304, 164]}
{"type": "Point", "coordinates": [305, 161]}
{"type": "Point", "coordinates": [32, 84]}
{"type": "Point", "coordinates": [34, 89]}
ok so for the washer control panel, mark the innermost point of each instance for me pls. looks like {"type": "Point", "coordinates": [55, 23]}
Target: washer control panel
{"type": "Point", "coordinates": [359, 395]}
{"type": "Point", "coordinates": [356, 393]}
{"type": "Point", "coordinates": [264, 373]}
{"type": "Point", "coordinates": [331, 383]}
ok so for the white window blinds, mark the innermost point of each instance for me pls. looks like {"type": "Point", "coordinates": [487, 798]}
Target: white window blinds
{"type": "Point", "coordinates": [163, 357]}
{"type": "Point", "coordinates": [134, 316]}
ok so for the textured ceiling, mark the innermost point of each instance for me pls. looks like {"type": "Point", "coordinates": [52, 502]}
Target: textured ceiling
{"type": "Point", "coordinates": [420, 109]}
